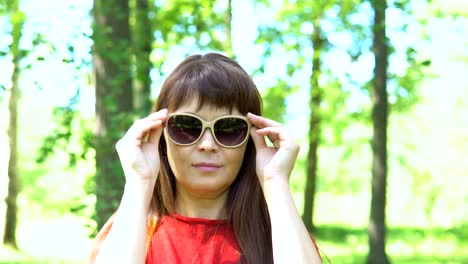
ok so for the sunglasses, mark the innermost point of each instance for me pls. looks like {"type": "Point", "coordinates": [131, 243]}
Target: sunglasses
{"type": "Point", "coordinates": [228, 131]}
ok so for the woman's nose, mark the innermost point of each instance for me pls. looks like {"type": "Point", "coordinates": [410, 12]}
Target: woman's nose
{"type": "Point", "coordinates": [207, 141]}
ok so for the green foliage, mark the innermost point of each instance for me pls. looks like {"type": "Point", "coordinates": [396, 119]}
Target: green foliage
{"type": "Point", "coordinates": [274, 100]}
{"type": "Point", "coordinates": [67, 120]}
{"type": "Point", "coordinates": [449, 8]}
{"type": "Point", "coordinates": [61, 136]}
{"type": "Point", "coordinates": [17, 19]}
{"type": "Point", "coordinates": [292, 31]}
{"type": "Point", "coordinates": [191, 23]}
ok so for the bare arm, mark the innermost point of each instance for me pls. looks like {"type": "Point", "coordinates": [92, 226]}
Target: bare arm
{"type": "Point", "coordinates": [126, 241]}
{"type": "Point", "coordinates": [290, 238]}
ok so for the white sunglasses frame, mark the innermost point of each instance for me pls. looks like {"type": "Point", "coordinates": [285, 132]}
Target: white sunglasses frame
{"type": "Point", "coordinates": [210, 125]}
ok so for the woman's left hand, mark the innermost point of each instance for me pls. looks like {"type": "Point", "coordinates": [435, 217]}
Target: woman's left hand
{"type": "Point", "coordinates": [274, 163]}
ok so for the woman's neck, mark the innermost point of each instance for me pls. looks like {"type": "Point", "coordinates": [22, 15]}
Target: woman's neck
{"type": "Point", "coordinates": [191, 205]}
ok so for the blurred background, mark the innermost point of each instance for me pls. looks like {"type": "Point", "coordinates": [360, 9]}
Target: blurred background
{"type": "Point", "coordinates": [375, 92]}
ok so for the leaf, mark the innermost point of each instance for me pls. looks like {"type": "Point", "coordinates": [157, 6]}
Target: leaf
{"type": "Point", "coordinates": [426, 63]}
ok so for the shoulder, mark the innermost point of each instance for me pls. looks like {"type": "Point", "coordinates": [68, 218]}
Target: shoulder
{"type": "Point", "coordinates": [315, 243]}
{"type": "Point", "coordinates": [99, 239]}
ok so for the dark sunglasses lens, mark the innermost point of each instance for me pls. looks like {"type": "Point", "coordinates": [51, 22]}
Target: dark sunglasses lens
{"type": "Point", "coordinates": [231, 131]}
{"type": "Point", "coordinates": [184, 129]}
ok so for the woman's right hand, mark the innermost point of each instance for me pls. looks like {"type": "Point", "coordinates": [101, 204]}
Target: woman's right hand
{"type": "Point", "coordinates": [138, 148]}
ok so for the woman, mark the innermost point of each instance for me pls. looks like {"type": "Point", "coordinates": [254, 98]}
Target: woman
{"type": "Point", "coordinates": [202, 184]}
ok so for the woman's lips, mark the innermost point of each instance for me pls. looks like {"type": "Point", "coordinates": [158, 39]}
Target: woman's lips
{"type": "Point", "coordinates": [207, 167]}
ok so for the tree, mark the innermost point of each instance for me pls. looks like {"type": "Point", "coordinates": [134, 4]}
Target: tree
{"type": "Point", "coordinates": [17, 19]}
{"type": "Point", "coordinates": [172, 23]}
{"type": "Point", "coordinates": [228, 31]}
{"type": "Point", "coordinates": [377, 226]}
{"type": "Point", "coordinates": [142, 37]}
{"type": "Point", "coordinates": [114, 99]}
{"type": "Point", "coordinates": [314, 125]}
{"type": "Point", "coordinates": [299, 29]}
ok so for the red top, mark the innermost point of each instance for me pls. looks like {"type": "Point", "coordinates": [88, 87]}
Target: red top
{"type": "Point", "coordinates": [193, 240]}
{"type": "Point", "coordinates": [184, 240]}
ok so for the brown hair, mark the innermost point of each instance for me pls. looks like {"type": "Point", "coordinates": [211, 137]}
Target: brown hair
{"type": "Point", "coordinates": [221, 82]}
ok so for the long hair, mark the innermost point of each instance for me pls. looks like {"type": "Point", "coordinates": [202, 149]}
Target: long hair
{"type": "Point", "coordinates": [221, 82]}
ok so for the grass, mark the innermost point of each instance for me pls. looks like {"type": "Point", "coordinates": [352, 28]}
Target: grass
{"type": "Point", "coordinates": [403, 244]}
{"type": "Point", "coordinates": [12, 256]}
{"type": "Point", "coordinates": [51, 240]}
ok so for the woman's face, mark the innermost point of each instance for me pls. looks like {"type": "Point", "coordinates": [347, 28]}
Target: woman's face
{"type": "Point", "coordinates": [204, 169]}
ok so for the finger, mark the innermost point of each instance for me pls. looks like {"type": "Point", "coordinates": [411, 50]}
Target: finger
{"type": "Point", "coordinates": [155, 134]}
{"type": "Point", "coordinates": [258, 139]}
{"type": "Point", "coordinates": [273, 133]}
{"type": "Point", "coordinates": [276, 135]}
{"type": "Point", "coordinates": [142, 129]}
{"type": "Point", "coordinates": [159, 115]}
{"type": "Point", "coordinates": [261, 122]}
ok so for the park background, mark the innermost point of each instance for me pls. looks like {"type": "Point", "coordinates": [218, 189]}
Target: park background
{"type": "Point", "coordinates": [427, 194]}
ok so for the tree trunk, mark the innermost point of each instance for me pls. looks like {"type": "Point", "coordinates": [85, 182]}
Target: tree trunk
{"type": "Point", "coordinates": [314, 129]}
{"type": "Point", "coordinates": [17, 20]}
{"type": "Point", "coordinates": [377, 227]}
{"type": "Point", "coordinates": [9, 237]}
{"type": "Point", "coordinates": [228, 21]}
{"type": "Point", "coordinates": [142, 39]}
{"type": "Point", "coordinates": [114, 99]}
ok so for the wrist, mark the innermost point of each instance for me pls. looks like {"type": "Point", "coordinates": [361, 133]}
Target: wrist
{"type": "Point", "coordinates": [139, 183]}
{"type": "Point", "coordinates": [139, 192]}
{"type": "Point", "coordinates": [275, 188]}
